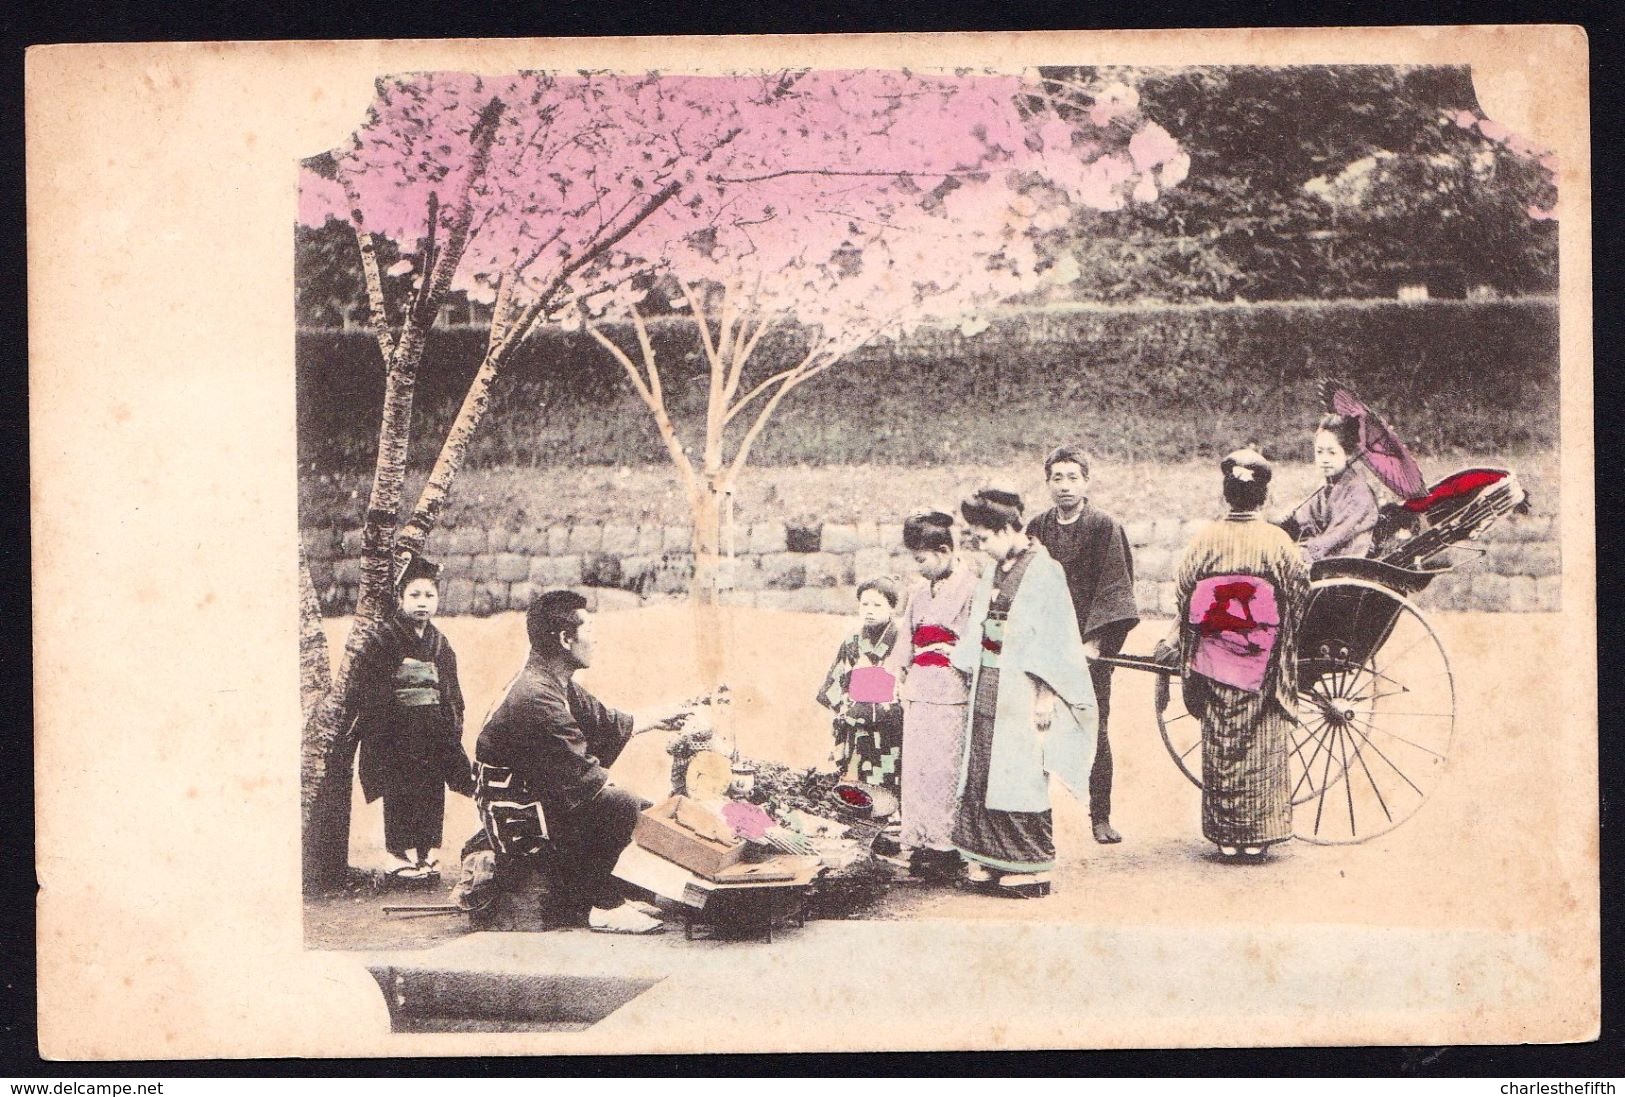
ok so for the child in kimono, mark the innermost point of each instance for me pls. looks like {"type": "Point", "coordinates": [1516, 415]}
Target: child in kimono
{"type": "Point", "coordinates": [409, 709]}
{"type": "Point", "coordinates": [862, 694]}
{"type": "Point", "coordinates": [934, 694]}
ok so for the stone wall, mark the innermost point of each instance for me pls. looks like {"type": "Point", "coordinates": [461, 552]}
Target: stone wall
{"type": "Point", "coordinates": [816, 568]}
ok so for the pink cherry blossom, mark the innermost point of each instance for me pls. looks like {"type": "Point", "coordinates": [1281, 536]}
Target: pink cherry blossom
{"type": "Point", "coordinates": [854, 203]}
{"type": "Point", "coordinates": [1150, 146]}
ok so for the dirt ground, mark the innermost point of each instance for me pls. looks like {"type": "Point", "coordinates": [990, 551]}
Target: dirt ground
{"type": "Point", "coordinates": [1495, 846]}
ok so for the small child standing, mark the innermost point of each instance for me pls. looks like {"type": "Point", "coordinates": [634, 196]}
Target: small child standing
{"type": "Point", "coordinates": [863, 694]}
{"type": "Point", "coordinates": [409, 709]}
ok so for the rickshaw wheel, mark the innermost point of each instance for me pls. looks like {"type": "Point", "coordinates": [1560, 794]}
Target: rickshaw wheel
{"type": "Point", "coordinates": [1377, 705]}
{"type": "Point", "coordinates": [1182, 735]}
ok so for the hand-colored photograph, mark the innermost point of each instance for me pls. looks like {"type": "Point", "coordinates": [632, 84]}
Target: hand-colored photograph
{"type": "Point", "coordinates": [826, 552]}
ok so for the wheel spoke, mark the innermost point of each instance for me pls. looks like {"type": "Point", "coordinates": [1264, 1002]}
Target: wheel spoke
{"type": "Point", "coordinates": [1348, 782]}
{"type": "Point", "coordinates": [1297, 748]}
{"type": "Point", "coordinates": [1375, 697]}
{"type": "Point", "coordinates": [1396, 656]}
{"type": "Point", "coordinates": [1352, 675]}
{"type": "Point", "coordinates": [1381, 670]}
{"type": "Point", "coordinates": [1390, 762]}
{"type": "Point", "coordinates": [1440, 715]}
{"type": "Point", "coordinates": [1308, 769]}
{"type": "Point", "coordinates": [1375, 730]}
{"type": "Point", "coordinates": [1340, 677]}
{"type": "Point", "coordinates": [1359, 756]}
{"type": "Point", "coordinates": [1186, 753]}
{"type": "Point", "coordinates": [1320, 804]}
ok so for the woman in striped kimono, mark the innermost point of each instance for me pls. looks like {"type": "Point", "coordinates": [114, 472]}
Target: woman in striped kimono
{"type": "Point", "coordinates": [1032, 703]}
{"type": "Point", "coordinates": [1241, 587]}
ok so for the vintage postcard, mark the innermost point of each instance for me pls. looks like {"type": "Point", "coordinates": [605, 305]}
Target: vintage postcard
{"type": "Point", "coordinates": [985, 541]}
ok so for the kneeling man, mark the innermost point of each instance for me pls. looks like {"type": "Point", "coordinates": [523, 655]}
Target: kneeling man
{"type": "Point", "coordinates": [540, 765]}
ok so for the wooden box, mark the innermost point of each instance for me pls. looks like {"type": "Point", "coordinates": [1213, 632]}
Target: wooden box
{"type": "Point", "coordinates": [659, 832]}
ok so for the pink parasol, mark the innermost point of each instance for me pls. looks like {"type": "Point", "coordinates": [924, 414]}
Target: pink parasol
{"type": "Point", "coordinates": [1380, 448]}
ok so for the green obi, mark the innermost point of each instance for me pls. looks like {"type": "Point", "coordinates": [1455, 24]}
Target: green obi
{"type": "Point", "coordinates": [992, 641]}
{"type": "Point", "coordinates": [417, 683]}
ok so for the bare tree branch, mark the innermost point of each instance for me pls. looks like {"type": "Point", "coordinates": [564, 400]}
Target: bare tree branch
{"type": "Point", "coordinates": [378, 313]}
{"type": "Point", "coordinates": [834, 173]}
{"type": "Point", "coordinates": [768, 383]}
{"type": "Point", "coordinates": [714, 410]}
{"type": "Point", "coordinates": [744, 346]}
{"type": "Point", "coordinates": [543, 300]}
{"type": "Point", "coordinates": [700, 321]}
{"type": "Point", "coordinates": [427, 261]}
{"type": "Point", "coordinates": [647, 346]}
{"type": "Point", "coordinates": [650, 391]}
{"type": "Point", "coordinates": [742, 453]}
{"type": "Point", "coordinates": [502, 311]}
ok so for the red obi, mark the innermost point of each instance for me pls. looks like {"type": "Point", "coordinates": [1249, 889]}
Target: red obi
{"type": "Point", "coordinates": [925, 636]}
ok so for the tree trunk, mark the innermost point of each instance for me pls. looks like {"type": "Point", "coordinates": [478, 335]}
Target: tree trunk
{"type": "Point", "coordinates": [329, 738]}
{"type": "Point", "coordinates": [707, 500]}
{"type": "Point", "coordinates": [315, 669]}
{"type": "Point", "coordinates": [454, 450]}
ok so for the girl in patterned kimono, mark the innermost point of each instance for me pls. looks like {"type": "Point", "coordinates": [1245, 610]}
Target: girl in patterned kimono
{"type": "Point", "coordinates": [862, 694]}
{"type": "Point", "coordinates": [1032, 711]}
{"type": "Point", "coordinates": [410, 722]}
{"type": "Point", "coordinates": [1241, 586]}
{"type": "Point", "coordinates": [1337, 520]}
{"type": "Point", "coordinates": [933, 692]}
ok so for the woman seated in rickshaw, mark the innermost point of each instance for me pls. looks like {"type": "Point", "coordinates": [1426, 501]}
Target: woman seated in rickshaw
{"type": "Point", "coordinates": [1338, 519]}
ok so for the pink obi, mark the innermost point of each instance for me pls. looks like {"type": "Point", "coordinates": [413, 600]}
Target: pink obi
{"type": "Point", "coordinates": [1236, 620]}
{"type": "Point", "coordinates": [872, 685]}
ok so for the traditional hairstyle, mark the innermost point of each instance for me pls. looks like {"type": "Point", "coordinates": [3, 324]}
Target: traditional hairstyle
{"type": "Point", "coordinates": [1246, 479]}
{"type": "Point", "coordinates": [884, 584]}
{"type": "Point", "coordinates": [993, 508]}
{"type": "Point", "coordinates": [1070, 453]}
{"type": "Point", "coordinates": [416, 568]}
{"type": "Point", "coordinates": [928, 530]}
{"type": "Point", "coordinates": [1345, 428]}
{"type": "Point", "coordinates": [551, 613]}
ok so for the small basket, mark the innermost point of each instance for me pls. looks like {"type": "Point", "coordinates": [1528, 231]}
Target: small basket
{"type": "Point", "coordinates": [863, 802]}
{"type": "Point", "coordinates": [853, 800]}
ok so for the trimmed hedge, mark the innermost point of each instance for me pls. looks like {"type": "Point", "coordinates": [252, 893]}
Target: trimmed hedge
{"type": "Point", "coordinates": [1132, 384]}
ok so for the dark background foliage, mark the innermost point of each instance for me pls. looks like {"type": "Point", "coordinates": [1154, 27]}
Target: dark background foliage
{"type": "Point", "coordinates": [1133, 384]}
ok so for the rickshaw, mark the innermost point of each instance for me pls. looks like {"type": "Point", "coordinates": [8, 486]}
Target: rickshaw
{"type": "Point", "coordinates": [1375, 694]}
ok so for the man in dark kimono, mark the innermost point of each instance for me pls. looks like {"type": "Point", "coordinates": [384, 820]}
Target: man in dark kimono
{"type": "Point", "coordinates": [541, 762]}
{"type": "Point", "coordinates": [1093, 550]}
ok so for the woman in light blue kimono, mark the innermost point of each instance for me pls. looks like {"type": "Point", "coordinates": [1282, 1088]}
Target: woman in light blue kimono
{"type": "Point", "coordinates": [1032, 711]}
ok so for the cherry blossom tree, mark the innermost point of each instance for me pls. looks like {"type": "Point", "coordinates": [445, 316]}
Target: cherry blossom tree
{"type": "Point", "coordinates": [515, 190]}
{"type": "Point", "coordinates": [861, 224]}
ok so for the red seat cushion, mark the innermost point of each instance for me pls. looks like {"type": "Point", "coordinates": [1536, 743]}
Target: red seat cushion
{"type": "Point", "coordinates": [1451, 487]}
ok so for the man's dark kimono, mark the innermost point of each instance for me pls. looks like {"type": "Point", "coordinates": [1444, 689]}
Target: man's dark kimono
{"type": "Point", "coordinates": [1093, 551]}
{"type": "Point", "coordinates": [542, 787]}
